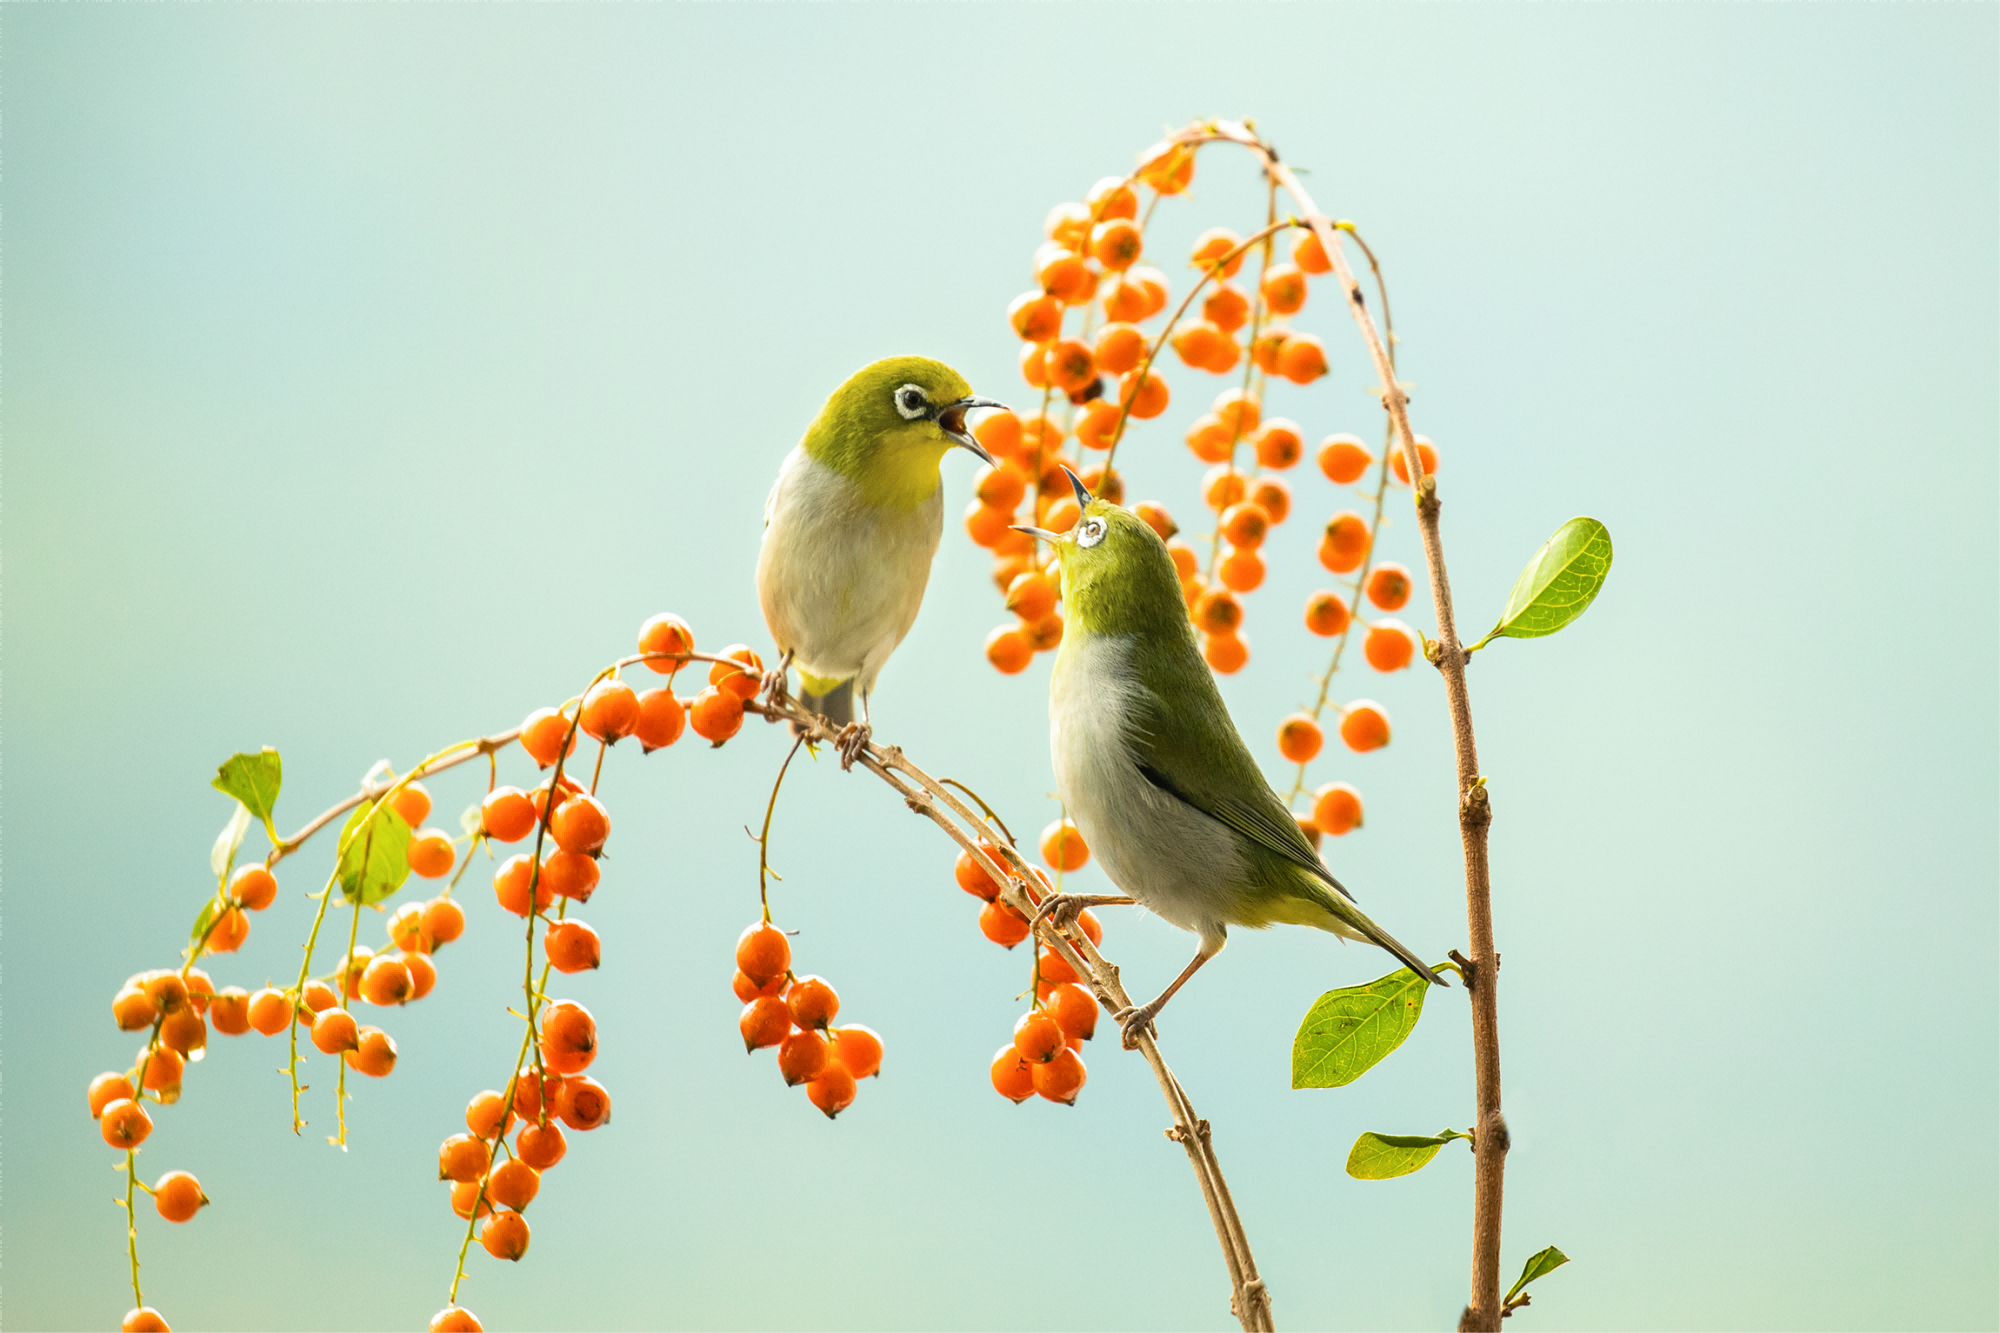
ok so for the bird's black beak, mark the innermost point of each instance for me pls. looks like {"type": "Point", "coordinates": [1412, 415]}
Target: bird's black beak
{"type": "Point", "coordinates": [951, 420]}
{"type": "Point", "coordinates": [1040, 534]}
{"type": "Point", "coordinates": [1083, 495]}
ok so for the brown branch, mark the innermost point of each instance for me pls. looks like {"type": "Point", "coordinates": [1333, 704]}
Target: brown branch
{"type": "Point", "coordinates": [1474, 809]}
{"type": "Point", "coordinates": [927, 796]}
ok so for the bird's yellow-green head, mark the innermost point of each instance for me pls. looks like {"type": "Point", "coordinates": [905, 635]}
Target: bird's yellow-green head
{"type": "Point", "coordinates": [1117, 577]}
{"type": "Point", "coordinates": [887, 428]}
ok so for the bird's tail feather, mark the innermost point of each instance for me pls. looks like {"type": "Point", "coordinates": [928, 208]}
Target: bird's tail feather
{"type": "Point", "coordinates": [836, 705]}
{"type": "Point", "coordinates": [1376, 935]}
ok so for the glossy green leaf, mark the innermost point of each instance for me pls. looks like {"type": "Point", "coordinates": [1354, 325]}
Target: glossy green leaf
{"type": "Point", "coordinates": [253, 779]}
{"type": "Point", "coordinates": [229, 841]}
{"type": "Point", "coordinates": [1548, 1261]}
{"type": "Point", "coordinates": [1347, 1032]}
{"type": "Point", "coordinates": [1557, 584]}
{"type": "Point", "coordinates": [1386, 1156]}
{"type": "Point", "coordinates": [375, 860]}
{"type": "Point", "coordinates": [209, 911]}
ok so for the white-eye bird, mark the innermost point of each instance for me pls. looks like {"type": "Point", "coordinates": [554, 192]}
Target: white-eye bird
{"type": "Point", "coordinates": [851, 527]}
{"type": "Point", "coordinates": [1151, 768]}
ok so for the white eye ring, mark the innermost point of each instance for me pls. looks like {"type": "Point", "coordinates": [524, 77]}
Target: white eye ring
{"type": "Point", "coordinates": [1091, 533]}
{"type": "Point", "coordinates": [912, 403]}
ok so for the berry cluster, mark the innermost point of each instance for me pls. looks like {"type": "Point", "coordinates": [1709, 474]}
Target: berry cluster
{"type": "Point", "coordinates": [795, 1014]}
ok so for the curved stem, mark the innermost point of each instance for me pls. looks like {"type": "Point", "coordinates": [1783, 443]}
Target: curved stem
{"type": "Point", "coordinates": [132, 1223]}
{"type": "Point", "coordinates": [764, 838]}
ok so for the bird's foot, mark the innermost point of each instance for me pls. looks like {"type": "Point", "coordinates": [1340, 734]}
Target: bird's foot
{"type": "Point", "coordinates": [1059, 909]}
{"type": "Point", "coordinates": [852, 740]}
{"type": "Point", "coordinates": [776, 693]}
{"type": "Point", "coordinates": [1135, 1023]}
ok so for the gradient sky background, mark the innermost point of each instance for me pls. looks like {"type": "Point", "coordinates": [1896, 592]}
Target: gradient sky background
{"type": "Point", "coordinates": [372, 372]}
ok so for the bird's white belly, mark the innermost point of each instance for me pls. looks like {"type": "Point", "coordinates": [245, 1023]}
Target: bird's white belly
{"type": "Point", "coordinates": [1178, 862]}
{"type": "Point", "coordinates": [840, 579]}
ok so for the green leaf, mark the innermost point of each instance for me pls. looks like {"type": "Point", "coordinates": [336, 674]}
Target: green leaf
{"type": "Point", "coordinates": [1541, 1265]}
{"type": "Point", "coordinates": [229, 841]}
{"type": "Point", "coordinates": [1386, 1156]}
{"type": "Point", "coordinates": [1347, 1032]}
{"type": "Point", "coordinates": [1557, 584]}
{"type": "Point", "coordinates": [209, 911]}
{"type": "Point", "coordinates": [253, 779]}
{"type": "Point", "coordinates": [374, 861]}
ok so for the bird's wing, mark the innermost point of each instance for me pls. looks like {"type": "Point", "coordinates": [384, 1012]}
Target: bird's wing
{"type": "Point", "coordinates": [1197, 756]}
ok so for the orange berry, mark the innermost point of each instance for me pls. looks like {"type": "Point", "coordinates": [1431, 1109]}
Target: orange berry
{"type": "Point", "coordinates": [1279, 444]}
{"type": "Point", "coordinates": [456, 1319]}
{"type": "Point", "coordinates": [423, 974]}
{"type": "Point", "coordinates": [464, 1158]}
{"type": "Point", "coordinates": [1284, 288]}
{"type": "Point", "coordinates": [999, 487]}
{"type": "Point", "coordinates": [1345, 543]}
{"type": "Point", "coordinates": [334, 1031]}
{"type": "Point", "coordinates": [1032, 596]}
{"type": "Point", "coordinates": [540, 1146]}
{"type": "Point", "coordinates": [1302, 359]}
{"type": "Point", "coordinates": [1064, 275]}
{"type": "Point", "coordinates": [1009, 650]}
{"type": "Point", "coordinates": [1144, 395]}
{"type": "Point", "coordinates": [1245, 524]}
{"type": "Point", "coordinates": [200, 988]}
{"type": "Point", "coordinates": [765, 1021]}
{"type": "Point", "coordinates": [318, 998]}
{"type": "Point", "coordinates": [107, 1088]}
{"type": "Point", "coordinates": [1391, 645]}
{"type": "Point", "coordinates": [1073, 1008]}
{"type": "Point", "coordinates": [375, 1053]}
{"type": "Point", "coordinates": [488, 1114]}
{"type": "Point", "coordinates": [1002, 924]}
{"type": "Point", "coordinates": [1241, 571]}
{"type": "Point", "coordinates": [1225, 652]}
{"type": "Point", "coordinates": [386, 981]}
{"type": "Point", "coordinates": [986, 525]}
{"type": "Point", "coordinates": [444, 921]}
{"type": "Point", "coordinates": [356, 963]}
{"type": "Point", "coordinates": [665, 633]}
{"type": "Point", "coordinates": [763, 953]}
{"type": "Point", "coordinates": [1223, 356]}
{"type": "Point", "coordinates": [1309, 254]}
{"type": "Point", "coordinates": [162, 1070]}
{"type": "Point", "coordinates": [431, 854]}
{"type": "Point", "coordinates": [1274, 496]}
{"type": "Point", "coordinates": [1226, 307]}
{"type": "Point", "coordinates": [1168, 168]}
{"type": "Point", "coordinates": [1012, 1077]}
{"type": "Point", "coordinates": [1087, 920]}
{"type": "Point", "coordinates": [413, 803]}
{"type": "Point", "coordinates": [1040, 438]}
{"type": "Point", "coordinates": [1307, 828]}
{"type": "Point", "coordinates": [1126, 302]}
{"type": "Point", "coordinates": [1068, 225]}
{"type": "Point", "coordinates": [610, 711]}
{"type": "Point", "coordinates": [1036, 316]}
{"type": "Point", "coordinates": [1389, 586]}
{"type": "Point", "coordinates": [1111, 198]}
{"type": "Point", "coordinates": [1326, 614]}
{"type": "Point", "coordinates": [511, 885]}
{"type": "Point", "coordinates": [1069, 365]}
{"type": "Point", "coordinates": [1097, 425]}
{"type": "Point", "coordinates": [1037, 1036]}
{"type": "Point", "coordinates": [1054, 969]}
{"type": "Point", "coordinates": [1209, 439]}
{"type": "Point", "coordinates": [535, 1093]}
{"type": "Point", "coordinates": [581, 825]}
{"type": "Point", "coordinates": [270, 1012]}
{"type": "Point", "coordinates": [183, 1030]}
{"type": "Point", "coordinates": [716, 715]}
{"type": "Point", "coordinates": [124, 1123]}
{"type": "Point", "coordinates": [569, 1037]}
{"type": "Point", "coordinates": [1000, 432]}
{"type": "Point", "coordinates": [543, 735]}
{"type": "Point", "coordinates": [1061, 1079]}
{"type": "Point", "coordinates": [582, 1103]}
{"type": "Point", "coordinates": [1211, 246]}
{"type": "Point", "coordinates": [229, 932]}
{"type": "Point", "coordinates": [572, 946]}
{"type": "Point", "coordinates": [972, 876]}
{"type": "Point", "coordinates": [1116, 244]}
{"type": "Point", "coordinates": [1198, 343]}
{"type": "Point", "coordinates": [507, 814]}
{"type": "Point", "coordinates": [505, 1236]}
{"type": "Point", "coordinates": [1240, 413]}
{"type": "Point", "coordinates": [1044, 634]}
{"type": "Point", "coordinates": [468, 1197]}
{"type": "Point", "coordinates": [1218, 612]}
{"type": "Point", "coordinates": [254, 887]}
{"type": "Point", "coordinates": [144, 1319]}
{"type": "Point", "coordinates": [743, 681]}
{"type": "Point", "coordinates": [1222, 486]}
{"type": "Point", "coordinates": [812, 1002]}
{"type": "Point", "coordinates": [1186, 561]}
{"type": "Point", "coordinates": [513, 1184]}
{"type": "Point", "coordinates": [1063, 846]}
{"type": "Point", "coordinates": [1033, 356]}
{"type": "Point", "coordinates": [1365, 726]}
{"type": "Point", "coordinates": [1299, 738]}
{"type": "Point", "coordinates": [859, 1049]}
{"type": "Point", "coordinates": [748, 990]}
{"type": "Point", "coordinates": [406, 929]}
{"type": "Point", "coordinates": [1270, 345]}
{"type": "Point", "coordinates": [1120, 348]}
{"type": "Point", "coordinates": [802, 1057]}
{"type": "Point", "coordinates": [1157, 518]}
{"type": "Point", "coordinates": [833, 1091]}
{"type": "Point", "coordinates": [1336, 808]}
{"type": "Point", "coordinates": [1427, 458]}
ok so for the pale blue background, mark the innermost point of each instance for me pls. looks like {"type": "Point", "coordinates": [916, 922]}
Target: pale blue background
{"type": "Point", "coordinates": [373, 371]}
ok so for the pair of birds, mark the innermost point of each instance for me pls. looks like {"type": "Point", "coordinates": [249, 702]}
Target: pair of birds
{"type": "Point", "coordinates": [1147, 760]}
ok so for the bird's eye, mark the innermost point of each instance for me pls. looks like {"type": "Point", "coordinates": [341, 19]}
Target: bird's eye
{"type": "Point", "coordinates": [912, 402]}
{"type": "Point", "coordinates": [1091, 533]}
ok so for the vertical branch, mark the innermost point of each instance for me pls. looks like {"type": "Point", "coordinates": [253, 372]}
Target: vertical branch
{"type": "Point", "coordinates": [1474, 810]}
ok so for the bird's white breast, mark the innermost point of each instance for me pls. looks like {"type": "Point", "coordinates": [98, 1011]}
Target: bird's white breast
{"type": "Point", "coordinates": [1175, 860]}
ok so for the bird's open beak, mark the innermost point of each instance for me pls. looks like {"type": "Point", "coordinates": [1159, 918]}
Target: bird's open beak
{"type": "Point", "coordinates": [1083, 495]}
{"type": "Point", "coordinates": [952, 422]}
{"type": "Point", "coordinates": [1040, 534]}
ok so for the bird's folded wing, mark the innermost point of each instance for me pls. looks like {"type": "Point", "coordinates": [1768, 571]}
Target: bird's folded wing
{"type": "Point", "coordinates": [1197, 757]}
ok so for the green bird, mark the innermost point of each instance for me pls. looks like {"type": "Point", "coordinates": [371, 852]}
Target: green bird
{"type": "Point", "coordinates": [1151, 768]}
{"type": "Point", "coordinates": [850, 530]}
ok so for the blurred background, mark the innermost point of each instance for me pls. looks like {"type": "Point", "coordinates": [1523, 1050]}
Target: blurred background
{"type": "Point", "coordinates": [372, 372]}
